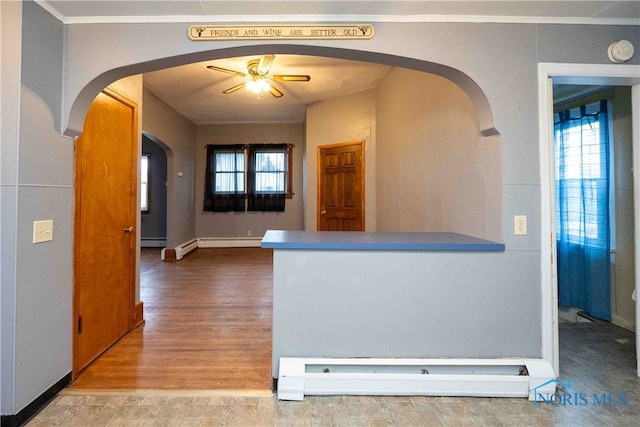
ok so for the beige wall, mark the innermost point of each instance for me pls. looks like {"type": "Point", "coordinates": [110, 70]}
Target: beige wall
{"type": "Point", "coordinates": [233, 224]}
{"type": "Point", "coordinates": [622, 306]}
{"type": "Point", "coordinates": [434, 171]}
{"type": "Point", "coordinates": [177, 136]}
{"type": "Point", "coordinates": [348, 118]}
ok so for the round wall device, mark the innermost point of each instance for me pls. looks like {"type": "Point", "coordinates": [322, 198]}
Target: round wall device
{"type": "Point", "coordinates": [620, 51]}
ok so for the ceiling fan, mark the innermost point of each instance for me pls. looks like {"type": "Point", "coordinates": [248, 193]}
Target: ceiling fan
{"type": "Point", "coordinates": [258, 74]}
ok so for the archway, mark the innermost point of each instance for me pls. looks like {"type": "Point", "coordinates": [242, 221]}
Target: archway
{"type": "Point", "coordinates": [468, 85]}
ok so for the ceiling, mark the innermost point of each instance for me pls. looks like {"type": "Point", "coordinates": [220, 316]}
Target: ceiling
{"type": "Point", "coordinates": [196, 92]}
{"type": "Point", "coordinates": [71, 11]}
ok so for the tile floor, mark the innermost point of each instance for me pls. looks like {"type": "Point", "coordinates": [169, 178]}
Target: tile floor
{"type": "Point", "coordinates": [595, 358]}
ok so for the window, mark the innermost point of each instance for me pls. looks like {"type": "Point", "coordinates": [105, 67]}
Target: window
{"type": "Point", "coordinates": [582, 174]}
{"type": "Point", "coordinates": [270, 171]}
{"type": "Point", "coordinates": [229, 172]}
{"type": "Point", "coordinates": [144, 183]}
{"type": "Point", "coordinates": [260, 173]}
{"type": "Point", "coordinates": [224, 189]}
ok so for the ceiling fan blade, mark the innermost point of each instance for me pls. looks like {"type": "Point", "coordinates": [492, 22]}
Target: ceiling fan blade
{"type": "Point", "coordinates": [291, 78]}
{"type": "Point", "coordinates": [275, 92]}
{"type": "Point", "coordinates": [265, 64]}
{"type": "Point", "coordinates": [235, 88]}
{"type": "Point", "coordinates": [224, 70]}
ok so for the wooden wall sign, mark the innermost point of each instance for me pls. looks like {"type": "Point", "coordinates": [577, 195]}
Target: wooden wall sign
{"type": "Point", "coordinates": [281, 32]}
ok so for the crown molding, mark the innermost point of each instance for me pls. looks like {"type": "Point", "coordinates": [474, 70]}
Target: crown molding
{"type": "Point", "coordinates": [235, 19]}
{"type": "Point", "coordinates": [53, 11]}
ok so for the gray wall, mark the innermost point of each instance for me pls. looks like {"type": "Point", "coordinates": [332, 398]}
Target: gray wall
{"type": "Point", "coordinates": [501, 58]}
{"type": "Point", "coordinates": [37, 179]}
{"type": "Point", "coordinates": [154, 223]}
{"type": "Point", "coordinates": [178, 136]}
{"type": "Point", "coordinates": [236, 224]}
{"type": "Point", "coordinates": [332, 303]}
{"type": "Point", "coordinates": [11, 44]}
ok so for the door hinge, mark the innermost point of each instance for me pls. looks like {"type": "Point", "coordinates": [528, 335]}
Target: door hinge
{"type": "Point", "coordinates": [79, 324]}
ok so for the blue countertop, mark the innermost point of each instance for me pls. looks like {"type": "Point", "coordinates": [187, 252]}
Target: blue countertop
{"type": "Point", "coordinates": [356, 240]}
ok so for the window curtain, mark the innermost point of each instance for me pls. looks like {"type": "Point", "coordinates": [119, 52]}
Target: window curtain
{"type": "Point", "coordinates": [224, 186]}
{"type": "Point", "coordinates": [266, 177]}
{"type": "Point", "coordinates": [582, 208]}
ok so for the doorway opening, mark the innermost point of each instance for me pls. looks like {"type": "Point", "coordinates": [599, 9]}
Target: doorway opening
{"type": "Point", "coordinates": [153, 194]}
{"type": "Point", "coordinates": [583, 75]}
{"type": "Point", "coordinates": [594, 223]}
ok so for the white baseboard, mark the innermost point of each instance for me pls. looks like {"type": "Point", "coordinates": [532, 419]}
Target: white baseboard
{"type": "Point", "coordinates": [229, 242]}
{"type": "Point", "coordinates": [527, 378]}
{"type": "Point", "coordinates": [153, 243]}
{"type": "Point", "coordinates": [213, 242]}
{"type": "Point", "coordinates": [623, 323]}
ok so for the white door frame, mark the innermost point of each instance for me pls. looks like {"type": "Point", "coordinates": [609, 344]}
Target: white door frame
{"type": "Point", "coordinates": [605, 74]}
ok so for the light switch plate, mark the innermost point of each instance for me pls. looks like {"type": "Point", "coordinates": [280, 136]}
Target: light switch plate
{"type": "Point", "coordinates": [42, 231]}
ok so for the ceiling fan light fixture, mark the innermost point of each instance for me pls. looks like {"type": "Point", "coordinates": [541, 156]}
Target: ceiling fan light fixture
{"type": "Point", "coordinates": [258, 86]}
{"type": "Point", "coordinates": [258, 77]}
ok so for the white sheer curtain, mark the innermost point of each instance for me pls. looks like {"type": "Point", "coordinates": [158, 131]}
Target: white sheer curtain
{"type": "Point", "coordinates": [267, 177]}
{"type": "Point", "coordinates": [225, 179]}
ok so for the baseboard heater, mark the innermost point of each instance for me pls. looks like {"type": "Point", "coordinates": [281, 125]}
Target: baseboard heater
{"type": "Point", "coordinates": [414, 377]}
{"type": "Point", "coordinates": [181, 250]}
{"type": "Point", "coordinates": [213, 242]}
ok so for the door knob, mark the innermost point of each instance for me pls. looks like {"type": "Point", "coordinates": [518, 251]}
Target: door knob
{"type": "Point", "coordinates": [323, 212]}
{"type": "Point", "coordinates": [128, 229]}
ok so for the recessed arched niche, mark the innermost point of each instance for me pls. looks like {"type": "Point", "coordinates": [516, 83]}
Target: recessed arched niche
{"type": "Point", "coordinates": [434, 170]}
{"type": "Point", "coordinates": [433, 155]}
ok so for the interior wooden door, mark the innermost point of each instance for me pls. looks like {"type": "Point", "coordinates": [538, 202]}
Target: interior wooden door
{"type": "Point", "coordinates": [105, 214]}
{"type": "Point", "coordinates": [341, 187]}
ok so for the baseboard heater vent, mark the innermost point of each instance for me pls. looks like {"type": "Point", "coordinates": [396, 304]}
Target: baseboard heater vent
{"type": "Point", "coordinates": [414, 377]}
{"type": "Point", "coordinates": [185, 248]}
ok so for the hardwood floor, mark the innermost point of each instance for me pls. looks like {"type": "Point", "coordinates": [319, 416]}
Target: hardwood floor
{"type": "Point", "coordinates": [208, 326]}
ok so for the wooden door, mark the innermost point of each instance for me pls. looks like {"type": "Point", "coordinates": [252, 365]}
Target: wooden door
{"type": "Point", "coordinates": [341, 187]}
{"type": "Point", "coordinates": [104, 240]}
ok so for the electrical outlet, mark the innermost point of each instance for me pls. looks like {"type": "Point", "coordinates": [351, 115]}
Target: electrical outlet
{"type": "Point", "coordinates": [520, 225]}
{"type": "Point", "coordinates": [42, 231]}
{"type": "Point", "coordinates": [248, 233]}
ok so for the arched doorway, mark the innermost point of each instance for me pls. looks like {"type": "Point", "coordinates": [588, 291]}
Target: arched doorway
{"type": "Point", "coordinates": [463, 83]}
{"type": "Point", "coordinates": [153, 191]}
